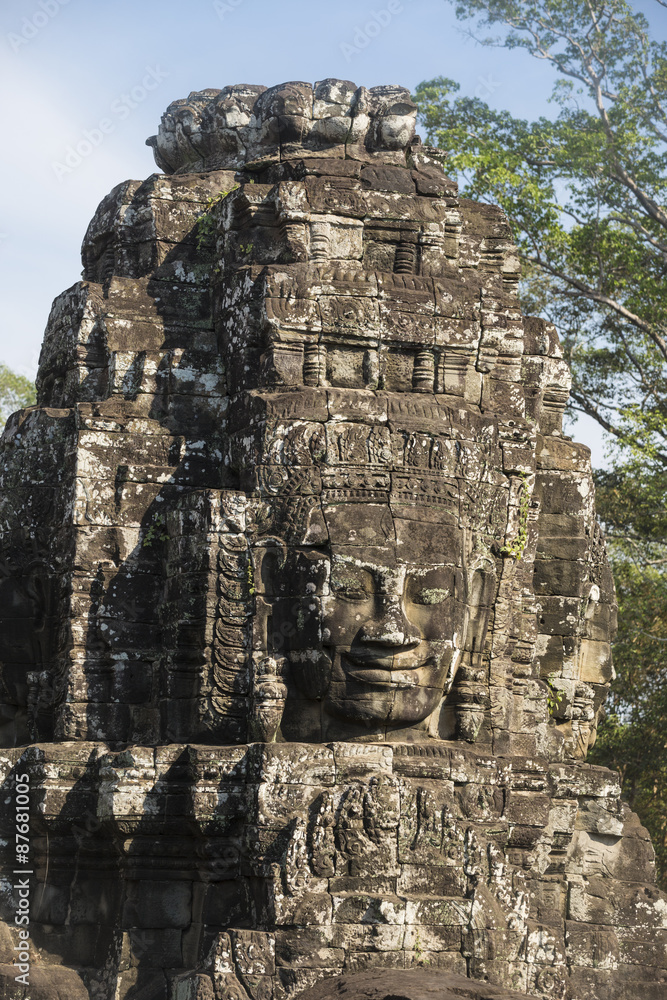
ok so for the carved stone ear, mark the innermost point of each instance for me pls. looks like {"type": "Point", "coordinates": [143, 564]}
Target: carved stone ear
{"type": "Point", "coordinates": [315, 532]}
{"type": "Point", "coordinates": [471, 691]}
{"type": "Point", "coordinates": [270, 572]}
{"type": "Point", "coordinates": [481, 597]}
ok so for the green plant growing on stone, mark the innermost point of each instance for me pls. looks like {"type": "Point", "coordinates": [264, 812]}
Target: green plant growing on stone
{"type": "Point", "coordinates": [156, 531]}
{"type": "Point", "coordinates": [515, 549]}
{"type": "Point", "coordinates": [555, 695]}
{"type": "Point", "coordinates": [206, 221]}
{"type": "Point", "coordinates": [419, 951]}
{"type": "Point", "coordinates": [319, 451]}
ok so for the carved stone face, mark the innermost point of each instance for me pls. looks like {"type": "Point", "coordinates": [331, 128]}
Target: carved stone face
{"type": "Point", "coordinates": [392, 632]}
{"type": "Point", "coordinates": [377, 644]}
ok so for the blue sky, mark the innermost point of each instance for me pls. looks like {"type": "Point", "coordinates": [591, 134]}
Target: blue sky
{"type": "Point", "coordinates": [66, 65]}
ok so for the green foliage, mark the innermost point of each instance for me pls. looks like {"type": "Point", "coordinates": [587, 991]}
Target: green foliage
{"type": "Point", "coordinates": [585, 193]}
{"type": "Point", "coordinates": [157, 531]}
{"type": "Point", "coordinates": [632, 501]}
{"type": "Point", "coordinates": [632, 739]}
{"type": "Point", "coordinates": [16, 392]}
{"type": "Point", "coordinates": [206, 224]}
{"type": "Point", "coordinates": [555, 695]}
{"type": "Point", "coordinates": [419, 951]}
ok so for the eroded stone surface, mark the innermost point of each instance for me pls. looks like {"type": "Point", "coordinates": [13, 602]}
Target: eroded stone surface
{"type": "Point", "coordinates": [414, 985]}
{"type": "Point", "coordinates": [243, 127]}
{"type": "Point", "coordinates": [305, 606]}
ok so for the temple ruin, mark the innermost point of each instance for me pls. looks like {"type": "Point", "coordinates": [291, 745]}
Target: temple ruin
{"type": "Point", "coordinates": [306, 613]}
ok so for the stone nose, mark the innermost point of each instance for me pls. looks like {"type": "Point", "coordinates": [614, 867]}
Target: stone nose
{"type": "Point", "coordinates": [390, 627]}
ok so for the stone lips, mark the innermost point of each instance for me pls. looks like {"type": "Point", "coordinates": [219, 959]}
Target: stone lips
{"type": "Point", "coordinates": [297, 479]}
{"type": "Point", "coordinates": [419, 984]}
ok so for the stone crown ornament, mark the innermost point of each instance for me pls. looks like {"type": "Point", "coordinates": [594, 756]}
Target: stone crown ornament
{"type": "Point", "coordinates": [244, 126]}
{"type": "Point", "coordinates": [306, 612]}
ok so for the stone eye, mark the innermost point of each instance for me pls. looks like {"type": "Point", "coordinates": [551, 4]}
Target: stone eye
{"type": "Point", "coordinates": [349, 588]}
{"type": "Point", "coordinates": [430, 595]}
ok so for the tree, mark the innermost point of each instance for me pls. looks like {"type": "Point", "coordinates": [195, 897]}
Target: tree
{"type": "Point", "coordinates": [633, 739]}
{"type": "Point", "coordinates": [586, 194]}
{"type": "Point", "coordinates": [16, 391]}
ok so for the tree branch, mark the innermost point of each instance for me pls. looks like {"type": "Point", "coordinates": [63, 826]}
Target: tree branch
{"type": "Point", "coordinates": [641, 230]}
{"type": "Point", "coordinates": [589, 408]}
{"type": "Point", "coordinates": [605, 300]}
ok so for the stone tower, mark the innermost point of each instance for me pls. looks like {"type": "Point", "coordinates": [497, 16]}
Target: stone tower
{"type": "Point", "coordinates": [306, 613]}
